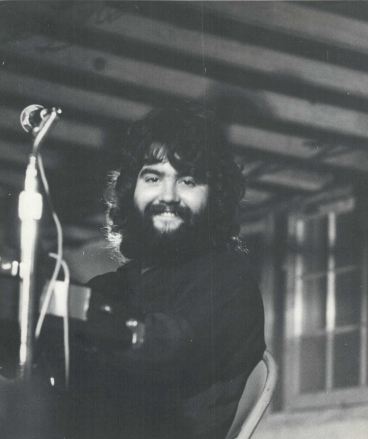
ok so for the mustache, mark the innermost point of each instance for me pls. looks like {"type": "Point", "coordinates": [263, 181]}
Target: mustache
{"type": "Point", "coordinates": [157, 209]}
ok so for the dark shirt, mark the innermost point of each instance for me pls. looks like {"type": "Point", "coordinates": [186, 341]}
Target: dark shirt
{"type": "Point", "coordinates": [204, 333]}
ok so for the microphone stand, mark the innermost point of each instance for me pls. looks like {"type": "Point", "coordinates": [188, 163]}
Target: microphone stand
{"type": "Point", "coordinates": [30, 213]}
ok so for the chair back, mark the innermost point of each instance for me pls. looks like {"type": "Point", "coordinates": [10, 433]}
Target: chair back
{"type": "Point", "coordinates": [255, 398]}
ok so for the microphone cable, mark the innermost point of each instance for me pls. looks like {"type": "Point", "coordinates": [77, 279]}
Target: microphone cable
{"type": "Point", "coordinates": [59, 250]}
{"type": "Point", "coordinates": [60, 263]}
{"type": "Point", "coordinates": [66, 338]}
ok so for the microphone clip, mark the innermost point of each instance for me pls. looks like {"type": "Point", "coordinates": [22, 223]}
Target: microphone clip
{"type": "Point", "coordinates": [37, 120]}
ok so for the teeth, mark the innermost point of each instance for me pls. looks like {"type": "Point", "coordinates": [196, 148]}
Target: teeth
{"type": "Point", "coordinates": [170, 214]}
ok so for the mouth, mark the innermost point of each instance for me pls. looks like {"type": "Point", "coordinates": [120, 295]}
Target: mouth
{"type": "Point", "coordinates": [167, 220]}
{"type": "Point", "coordinates": [165, 211]}
{"type": "Point", "coordinates": [167, 214]}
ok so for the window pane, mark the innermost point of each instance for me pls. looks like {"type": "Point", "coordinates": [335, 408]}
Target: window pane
{"type": "Point", "coordinates": [347, 240]}
{"type": "Point", "coordinates": [348, 298]}
{"type": "Point", "coordinates": [314, 304]}
{"type": "Point", "coordinates": [315, 245]}
{"type": "Point", "coordinates": [312, 363]}
{"type": "Point", "coordinates": [346, 359]}
{"type": "Point", "coordinates": [366, 359]}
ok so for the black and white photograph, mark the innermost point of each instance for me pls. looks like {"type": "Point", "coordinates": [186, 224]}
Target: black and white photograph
{"type": "Point", "coordinates": [183, 219]}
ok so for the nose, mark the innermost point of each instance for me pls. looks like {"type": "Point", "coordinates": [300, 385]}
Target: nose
{"type": "Point", "coordinates": [169, 192]}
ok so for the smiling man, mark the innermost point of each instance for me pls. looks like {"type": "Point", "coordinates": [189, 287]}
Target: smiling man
{"type": "Point", "coordinates": [169, 203]}
{"type": "Point", "coordinates": [170, 198]}
{"type": "Point", "coordinates": [174, 333]}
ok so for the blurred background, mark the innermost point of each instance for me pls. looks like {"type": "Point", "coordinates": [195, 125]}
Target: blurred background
{"type": "Point", "coordinates": [289, 82]}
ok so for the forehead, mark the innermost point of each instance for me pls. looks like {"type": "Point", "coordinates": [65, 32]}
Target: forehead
{"type": "Point", "coordinates": [163, 168]}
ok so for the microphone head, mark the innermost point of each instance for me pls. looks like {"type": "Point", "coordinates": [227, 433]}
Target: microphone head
{"type": "Point", "coordinates": [32, 116]}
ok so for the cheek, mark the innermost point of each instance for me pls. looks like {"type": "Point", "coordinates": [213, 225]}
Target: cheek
{"type": "Point", "coordinates": [144, 195]}
{"type": "Point", "coordinates": [140, 198]}
{"type": "Point", "coordinates": [197, 200]}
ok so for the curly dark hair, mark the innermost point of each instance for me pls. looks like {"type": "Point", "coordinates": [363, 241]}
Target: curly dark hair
{"type": "Point", "coordinates": [191, 139]}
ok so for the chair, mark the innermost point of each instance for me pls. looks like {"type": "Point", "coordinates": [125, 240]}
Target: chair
{"type": "Point", "coordinates": [255, 399]}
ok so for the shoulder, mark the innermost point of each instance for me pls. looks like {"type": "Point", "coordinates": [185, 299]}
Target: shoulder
{"type": "Point", "coordinates": [102, 280]}
{"type": "Point", "coordinates": [108, 280]}
{"type": "Point", "coordinates": [108, 291]}
{"type": "Point", "coordinates": [232, 262]}
{"type": "Point", "coordinates": [223, 270]}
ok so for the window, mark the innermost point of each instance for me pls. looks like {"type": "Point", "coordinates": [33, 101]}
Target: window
{"type": "Point", "coordinates": [327, 309]}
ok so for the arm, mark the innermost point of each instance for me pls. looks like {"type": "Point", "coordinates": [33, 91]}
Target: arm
{"type": "Point", "coordinates": [215, 313]}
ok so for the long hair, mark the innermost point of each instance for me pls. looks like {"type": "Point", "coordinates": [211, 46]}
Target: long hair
{"type": "Point", "coordinates": [192, 141]}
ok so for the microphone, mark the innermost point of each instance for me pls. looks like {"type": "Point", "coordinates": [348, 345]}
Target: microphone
{"type": "Point", "coordinates": [32, 116]}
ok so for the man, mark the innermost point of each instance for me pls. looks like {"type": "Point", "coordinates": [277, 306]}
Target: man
{"type": "Point", "coordinates": [174, 333]}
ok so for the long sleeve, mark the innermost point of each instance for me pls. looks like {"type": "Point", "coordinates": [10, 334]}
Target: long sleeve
{"type": "Point", "coordinates": [203, 336]}
{"type": "Point", "coordinates": [208, 308]}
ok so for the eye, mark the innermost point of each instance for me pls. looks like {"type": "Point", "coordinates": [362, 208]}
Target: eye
{"type": "Point", "coordinates": [188, 181]}
{"type": "Point", "coordinates": [150, 179]}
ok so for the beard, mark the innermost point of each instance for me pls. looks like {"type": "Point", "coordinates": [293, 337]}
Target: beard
{"type": "Point", "coordinates": [150, 244]}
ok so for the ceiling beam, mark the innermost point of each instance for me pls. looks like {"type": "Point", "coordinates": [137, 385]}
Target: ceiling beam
{"type": "Point", "coordinates": [299, 21]}
{"type": "Point", "coordinates": [254, 196]}
{"type": "Point", "coordinates": [66, 130]}
{"type": "Point", "coordinates": [184, 85]}
{"type": "Point", "coordinates": [247, 137]}
{"type": "Point", "coordinates": [232, 53]}
{"type": "Point", "coordinates": [294, 150]}
{"type": "Point", "coordinates": [17, 153]}
{"type": "Point", "coordinates": [296, 180]}
{"type": "Point", "coordinates": [47, 92]}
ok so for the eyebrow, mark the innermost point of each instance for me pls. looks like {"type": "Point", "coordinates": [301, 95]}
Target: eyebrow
{"type": "Point", "coordinates": [154, 171]}
{"type": "Point", "coordinates": [148, 170]}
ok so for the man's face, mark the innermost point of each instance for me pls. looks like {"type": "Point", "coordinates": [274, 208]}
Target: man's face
{"type": "Point", "coordinates": [168, 200]}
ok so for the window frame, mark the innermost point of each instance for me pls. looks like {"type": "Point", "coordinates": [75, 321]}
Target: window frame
{"type": "Point", "coordinates": [294, 399]}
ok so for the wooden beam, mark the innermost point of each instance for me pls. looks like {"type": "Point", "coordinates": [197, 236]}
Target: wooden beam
{"type": "Point", "coordinates": [349, 159]}
{"type": "Point", "coordinates": [271, 141]}
{"type": "Point", "coordinates": [64, 130]}
{"type": "Point", "coordinates": [298, 21]}
{"type": "Point", "coordinates": [314, 114]}
{"type": "Point", "coordinates": [233, 53]}
{"type": "Point", "coordinates": [17, 153]}
{"type": "Point", "coordinates": [254, 196]}
{"type": "Point", "coordinates": [284, 146]}
{"type": "Point", "coordinates": [297, 180]}
{"type": "Point", "coordinates": [42, 91]}
{"type": "Point", "coordinates": [247, 137]}
{"type": "Point", "coordinates": [185, 85]}
{"type": "Point", "coordinates": [240, 135]}
{"type": "Point", "coordinates": [276, 177]}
